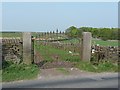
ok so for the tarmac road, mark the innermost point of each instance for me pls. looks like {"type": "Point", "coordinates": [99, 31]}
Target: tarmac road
{"type": "Point", "coordinates": [94, 81]}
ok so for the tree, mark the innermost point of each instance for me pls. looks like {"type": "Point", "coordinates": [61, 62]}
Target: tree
{"type": "Point", "coordinates": [102, 33]}
{"type": "Point", "coordinates": [72, 32]}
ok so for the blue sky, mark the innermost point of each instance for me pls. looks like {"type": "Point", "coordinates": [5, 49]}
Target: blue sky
{"type": "Point", "coordinates": [48, 16]}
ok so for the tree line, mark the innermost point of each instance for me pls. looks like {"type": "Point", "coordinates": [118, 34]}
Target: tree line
{"type": "Point", "coordinates": [101, 33]}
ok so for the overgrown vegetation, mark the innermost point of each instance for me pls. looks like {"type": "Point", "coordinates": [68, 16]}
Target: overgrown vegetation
{"type": "Point", "coordinates": [13, 72]}
{"type": "Point", "coordinates": [101, 67]}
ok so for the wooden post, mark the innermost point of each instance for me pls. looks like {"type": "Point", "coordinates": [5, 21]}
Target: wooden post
{"type": "Point", "coordinates": [86, 46]}
{"type": "Point", "coordinates": [27, 59]}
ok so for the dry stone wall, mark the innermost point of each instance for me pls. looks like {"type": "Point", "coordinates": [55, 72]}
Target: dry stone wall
{"type": "Point", "coordinates": [101, 53]}
{"type": "Point", "coordinates": [12, 50]}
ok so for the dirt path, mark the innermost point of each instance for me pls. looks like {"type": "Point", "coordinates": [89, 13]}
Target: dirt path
{"type": "Point", "coordinates": [58, 72]}
{"type": "Point", "coordinates": [71, 72]}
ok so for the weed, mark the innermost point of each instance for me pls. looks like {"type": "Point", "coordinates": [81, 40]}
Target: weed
{"type": "Point", "coordinates": [101, 67]}
{"type": "Point", "coordinates": [19, 72]}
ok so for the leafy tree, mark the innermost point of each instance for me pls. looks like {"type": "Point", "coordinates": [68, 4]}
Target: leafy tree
{"type": "Point", "coordinates": [72, 32]}
{"type": "Point", "coordinates": [102, 33]}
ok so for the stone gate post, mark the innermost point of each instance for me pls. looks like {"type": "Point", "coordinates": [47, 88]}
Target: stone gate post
{"type": "Point", "coordinates": [27, 47]}
{"type": "Point", "coordinates": [86, 46]}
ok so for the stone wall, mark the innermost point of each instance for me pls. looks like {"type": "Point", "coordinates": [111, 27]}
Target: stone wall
{"type": "Point", "coordinates": [12, 50]}
{"type": "Point", "coordinates": [105, 52]}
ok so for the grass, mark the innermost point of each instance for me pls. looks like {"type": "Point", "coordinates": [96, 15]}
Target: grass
{"type": "Point", "coordinates": [47, 53]}
{"type": "Point", "coordinates": [13, 72]}
{"type": "Point", "coordinates": [63, 70]}
{"type": "Point", "coordinates": [105, 43]}
{"type": "Point", "coordinates": [100, 42]}
{"type": "Point", "coordinates": [94, 42]}
{"type": "Point", "coordinates": [10, 34]}
{"type": "Point", "coordinates": [71, 41]}
{"type": "Point", "coordinates": [101, 67]}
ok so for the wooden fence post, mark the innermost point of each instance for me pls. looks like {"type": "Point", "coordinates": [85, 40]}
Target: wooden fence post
{"type": "Point", "coordinates": [86, 46]}
{"type": "Point", "coordinates": [27, 47]}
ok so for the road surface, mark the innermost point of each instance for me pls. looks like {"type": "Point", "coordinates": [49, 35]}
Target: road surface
{"type": "Point", "coordinates": [93, 81]}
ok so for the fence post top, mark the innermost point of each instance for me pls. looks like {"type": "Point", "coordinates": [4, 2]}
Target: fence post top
{"type": "Point", "coordinates": [27, 32]}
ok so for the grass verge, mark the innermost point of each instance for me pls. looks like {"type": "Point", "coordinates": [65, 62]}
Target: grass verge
{"type": "Point", "coordinates": [15, 72]}
{"type": "Point", "coordinates": [101, 67]}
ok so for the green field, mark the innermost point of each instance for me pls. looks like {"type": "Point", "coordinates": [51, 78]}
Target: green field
{"type": "Point", "coordinates": [10, 34]}
{"type": "Point", "coordinates": [105, 43]}
{"type": "Point", "coordinates": [100, 42]}
{"type": "Point", "coordinates": [48, 53]}
{"type": "Point", "coordinates": [95, 42]}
